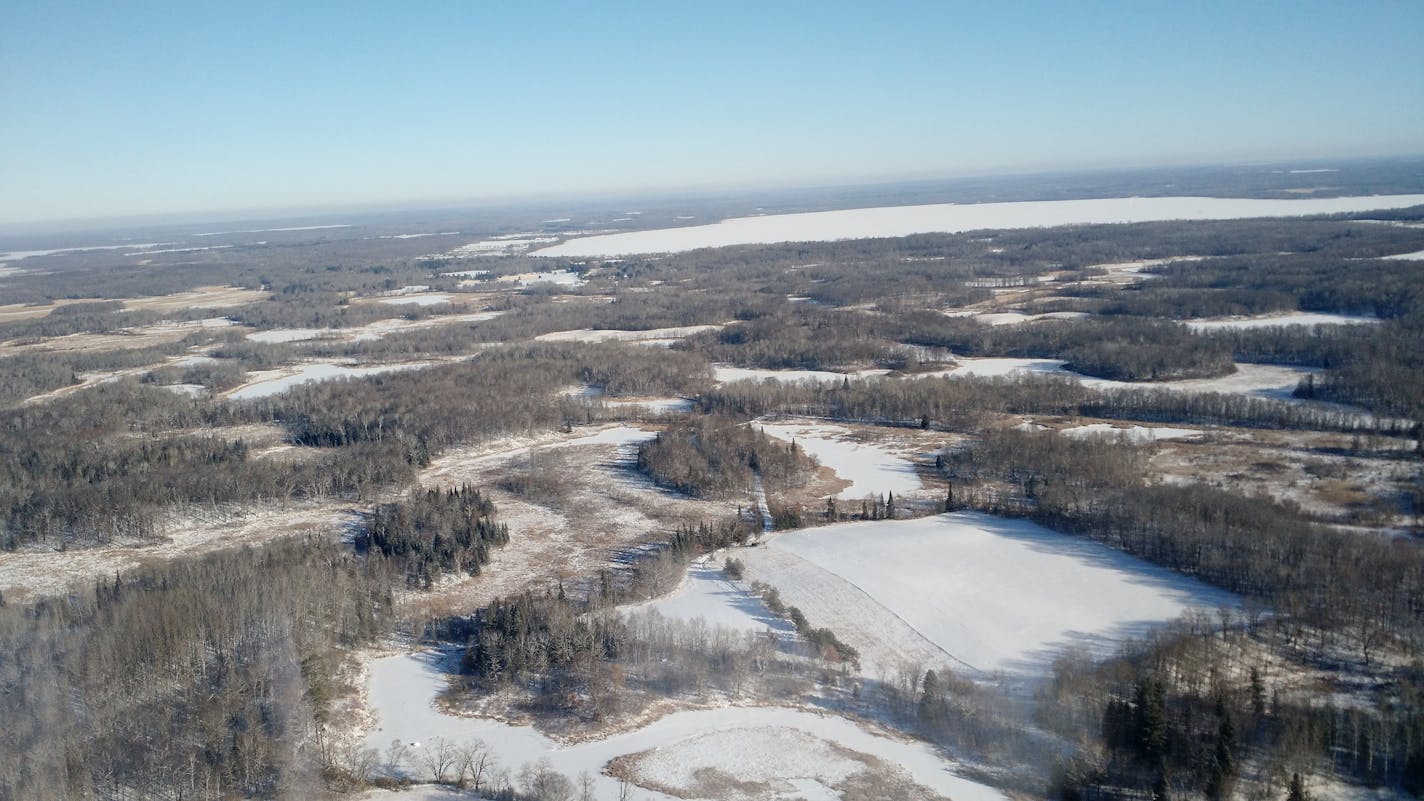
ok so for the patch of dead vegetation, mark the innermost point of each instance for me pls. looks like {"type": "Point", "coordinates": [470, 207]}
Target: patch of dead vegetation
{"type": "Point", "coordinates": [45, 570]}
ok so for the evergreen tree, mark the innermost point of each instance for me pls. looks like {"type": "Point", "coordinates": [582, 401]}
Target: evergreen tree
{"type": "Point", "coordinates": [1297, 789]}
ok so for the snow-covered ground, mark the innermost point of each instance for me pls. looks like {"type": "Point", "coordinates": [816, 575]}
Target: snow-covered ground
{"type": "Point", "coordinates": [558, 277]}
{"type": "Point", "coordinates": [1417, 255]}
{"type": "Point", "coordinates": [954, 218]}
{"type": "Point", "coordinates": [274, 382]}
{"type": "Point", "coordinates": [278, 335]}
{"type": "Point", "coordinates": [1269, 320]}
{"type": "Point", "coordinates": [1267, 380]}
{"type": "Point", "coordinates": [725, 373]}
{"type": "Point", "coordinates": [402, 689]}
{"type": "Point", "coordinates": [429, 299]}
{"type": "Point", "coordinates": [618, 335]}
{"type": "Point", "coordinates": [871, 469]}
{"type": "Point", "coordinates": [654, 405]}
{"type": "Point", "coordinates": [376, 329]}
{"type": "Point", "coordinates": [1016, 317]}
{"type": "Point", "coordinates": [971, 590]}
{"type": "Point", "coordinates": [1130, 433]}
{"type": "Point", "coordinates": [705, 593]}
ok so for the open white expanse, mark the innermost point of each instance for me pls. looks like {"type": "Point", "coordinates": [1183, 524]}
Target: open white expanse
{"type": "Point", "coordinates": [1267, 380]}
{"type": "Point", "coordinates": [992, 594]}
{"type": "Point", "coordinates": [418, 300]}
{"type": "Point", "coordinates": [725, 373]}
{"type": "Point", "coordinates": [871, 469]}
{"type": "Point", "coordinates": [1136, 434]}
{"type": "Point", "coordinates": [620, 335]}
{"type": "Point", "coordinates": [705, 593]}
{"type": "Point", "coordinates": [954, 218]}
{"type": "Point", "coordinates": [283, 380]}
{"type": "Point", "coordinates": [1270, 320]}
{"type": "Point", "coordinates": [402, 689]}
{"type": "Point", "coordinates": [1417, 255]}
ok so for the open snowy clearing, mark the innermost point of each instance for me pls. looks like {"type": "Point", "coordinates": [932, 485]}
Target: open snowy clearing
{"type": "Point", "coordinates": [706, 594]}
{"type": "Point", "coordinates": [377, 329]}
{"type": "Point", "coordinates": [725, 373]}
{"type": "Point", "coordinates": [870, 469]}
{"type": "Point", "coordinates": [652, 405]}
{"type": "Point", "coordinates": [429, 299]}
{"type": "Point", "coordinates": [1417, 255]}
{"type": "Point", "coordinates": [1134, 434]}
{"type": "Point", "coordinates": [955, 218]}
{"type": "Point", "coordinates": [991, 594]}
{"type": "Point", "coordinates": [402, 690]}
{"type": "Point", "coordinates": [275, 382]}
{"type": "Point", "coordinates": [556, 277]}
{"type": "Point", "coordinates": [617, 335]}
{"type": "Point", "coordinates": [1017, 317]}
{"type": "Point", "coordinates": [1267, 380]}
{"type": "Point", "coordinates": [1270, 320]}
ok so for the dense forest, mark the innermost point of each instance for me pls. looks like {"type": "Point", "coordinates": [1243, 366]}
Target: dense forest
{"type": "Point", "coordinates": [208, 678]}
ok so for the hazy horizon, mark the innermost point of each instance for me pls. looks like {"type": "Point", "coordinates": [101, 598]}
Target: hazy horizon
{"type": "Point", "coordinates": [174, 109]}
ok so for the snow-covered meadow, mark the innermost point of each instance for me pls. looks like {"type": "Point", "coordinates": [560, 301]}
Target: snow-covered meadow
{"type": "Point", "coordinates": [870, 469]}
{"type": "Point", "coordinates": [275, 382]}
{"type": "Point", "coordinates": [954, 218]}
{"type": "Point", "coordinates": [818, 750]}
{"type": "Point", "coordinates": [985, 594]}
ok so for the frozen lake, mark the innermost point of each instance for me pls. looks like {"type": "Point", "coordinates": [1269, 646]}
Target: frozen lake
{"type": "Point", "coordinates": [954, 218]}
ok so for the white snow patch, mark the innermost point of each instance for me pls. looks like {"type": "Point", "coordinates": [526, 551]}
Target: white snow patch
{"type": "Point", "coordinates": [992, 593]}
{"type": "Point", "coordinates": [17, 255]}
{"type": "Point", "coordinates": [277, 335]}
{"type": "Point", "coordinates": [402, 689]}
{"type": "Point", "coordinates": [725, 373]}
{"type": "Point", "coordinates": [705, 593]}
{"type": "Point", "coordinates": [870, 469]}
{"type": "Point", "coordinates": [557, 277]}
{"type": "Point", "coordinates": [419, 300]}
{"type": "Point", "coordinates": [1130, 433]}
{"type": "Point", "coordinates": [954, 218]}
{"type": "Point", "coordinates": [190, 390]}
{"type": "Point", "coordinates": [1417, 255]}
{"type": "Point", "coordinates": [275, 382]}
{"type": "Point", "coordinates": [265, 230]}
{"type": "Point", "coordinates": [611, 334]}
{"type": "Point", "coordinates": [1017, 317]}
{"type": "Point", "coordinates": [1269, 320]}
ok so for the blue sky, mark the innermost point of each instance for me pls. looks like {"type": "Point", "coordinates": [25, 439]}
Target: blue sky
{"type": "Point", "coordinates": [145, 107]}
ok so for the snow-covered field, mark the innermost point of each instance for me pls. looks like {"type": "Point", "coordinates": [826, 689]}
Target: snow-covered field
{"type": "Point", "coordinates": [653, 405]}
{"type": "Point", "coordinates": [871, 469]}
{"type": "Point", "coordinates": [376, 329]}
{"type": "Point", "coordinates": [1417, 255]}
{"type": "Point", "coordinates": [986, 593]}
{"type": "Point", "coordinates": [557, 277]}
{"type": "Point", "coordinates": [1267, 321]}
{"type": "Point", "coordinates": [429, 299]}
{"type": "Point", "coordinates": [1134, 434]}
{"type": "Point", "coordinates": [402, 689]}
{"type": "Point", "coordinates": [1017, 317]}
{"type": "Point", "coordinates": [618, 335]}
{"type": "Point", "coordinates": [705, 593]}
{"type": "Point", "coordinates": [725, 373]}
{"type": "Point", "coordinates": [1268, 380]}
{"type": "Point", "coordinates": [280, 381]}
{"type": "Point", "coordinates": [954, 218]}
{"type": "Point", "coordinates": [279, 335]}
